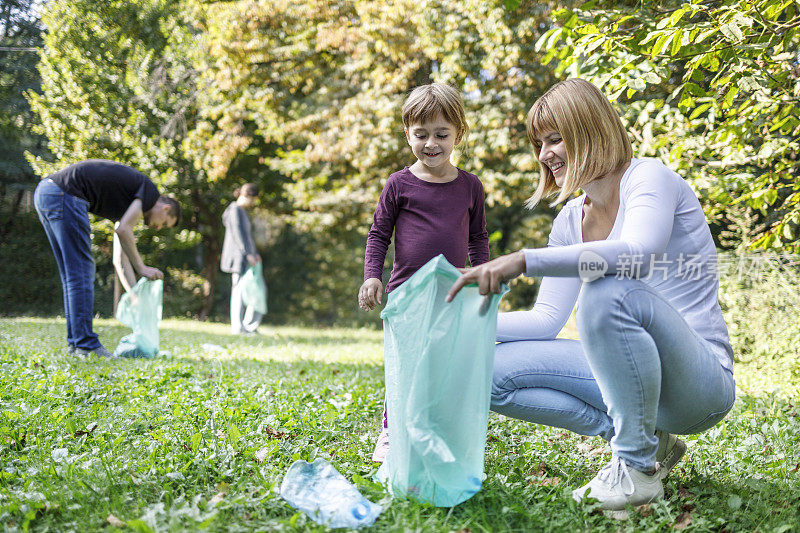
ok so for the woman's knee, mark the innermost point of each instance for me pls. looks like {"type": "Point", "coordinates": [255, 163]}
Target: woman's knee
{"type": "Point", "coordinates": [503, 372]}
{"type": "Point", "coordinates": [500, 384]}
{"type": "Point", "coordinates": [600, 298]}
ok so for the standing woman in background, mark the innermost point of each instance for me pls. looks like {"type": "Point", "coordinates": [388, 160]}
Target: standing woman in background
{"type": "Point", "coordinates": [239, 253]}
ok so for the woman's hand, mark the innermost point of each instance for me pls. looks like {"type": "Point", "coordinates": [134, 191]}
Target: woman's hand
{"type": "Point", "coordinates": [253, 259]}
{"type": "Point", "coordinates": [370, 293]}
{"type": "Point", "coordinates": [490, 276]}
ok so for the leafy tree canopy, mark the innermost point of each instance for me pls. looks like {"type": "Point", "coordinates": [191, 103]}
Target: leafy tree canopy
{"type": "Point", "coordinates": [19, 36]}
{"type": "Point", "coordinates": [713, 88]}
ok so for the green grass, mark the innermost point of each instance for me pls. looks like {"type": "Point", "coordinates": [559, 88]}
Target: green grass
{"type": "Point", "coordinates": [200, 439]}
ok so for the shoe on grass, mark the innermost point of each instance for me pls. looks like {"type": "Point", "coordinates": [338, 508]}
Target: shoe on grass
{"type": "Point", "coordinates": [617, 485]}
{"type": "Point", "coordinates": [669, 452]}
{"type": "Point", "coordinates": [99, 352]}
{"type": "Point", "coordinates": [71, 349]}
{"type": "Point", "coordinates": [381, 446]}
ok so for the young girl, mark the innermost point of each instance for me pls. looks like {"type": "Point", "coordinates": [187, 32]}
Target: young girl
{"type": "Point", "coordinates": [432, 206]}
{"type": "Point", "coordinates": [239, 252]}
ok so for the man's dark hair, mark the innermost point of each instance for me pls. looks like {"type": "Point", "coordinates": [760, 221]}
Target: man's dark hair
{"type": "Point", "coordinates": [174, 207]}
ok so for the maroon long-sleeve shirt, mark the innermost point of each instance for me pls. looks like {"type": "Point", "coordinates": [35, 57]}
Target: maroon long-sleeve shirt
{"type": "Point", "coordinates": [428, 219]}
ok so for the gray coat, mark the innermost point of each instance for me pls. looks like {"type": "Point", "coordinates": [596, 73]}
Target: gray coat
{"type": "Point", "coordinates": [238, 241]}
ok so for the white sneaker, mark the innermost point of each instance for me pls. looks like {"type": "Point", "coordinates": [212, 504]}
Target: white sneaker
{"type": "Point", "coordinates": [670, 450]}
{"type": "Point", "coordinates": [381, 446]}
{"type": "Point", "coordinates": [617, 485]}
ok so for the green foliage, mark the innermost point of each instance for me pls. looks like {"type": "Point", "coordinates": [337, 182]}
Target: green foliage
{"type": "Point", "coordinates": [118, 83]}
{"type": "Point", "coordinates": [32, 284]}
{"type": "Point", "coordinates": [29, 281]}
{"type": "Point", "coordinates": [326, 82]}
{"type": "Point", "coordinates": [711, 88]}
{"type": "Point", "coordinates": [762, 308]}
{"type": "Point", "coordinates": [19, 35]}
{"type": "Point", "coordinates": [303, 99]}
{"type": "Point", "coordinates": [200, 440]}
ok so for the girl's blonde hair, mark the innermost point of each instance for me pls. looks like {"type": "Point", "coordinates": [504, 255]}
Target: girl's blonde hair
{"type": "Point", "coordinates": [426, 102]}
{"type": "Point", "coordinates": [593, 135]}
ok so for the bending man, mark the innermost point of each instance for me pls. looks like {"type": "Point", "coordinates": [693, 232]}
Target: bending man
{"type": "Point", "coordinates": [110, 190]}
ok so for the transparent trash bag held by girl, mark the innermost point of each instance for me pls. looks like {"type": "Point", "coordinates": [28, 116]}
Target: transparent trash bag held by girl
{"type": "Point", "coordinates": [254, 289]}
{"type": "Point", "coordinates": [438, 364]}
{"type": "Point", "coordinates": [140, 310]}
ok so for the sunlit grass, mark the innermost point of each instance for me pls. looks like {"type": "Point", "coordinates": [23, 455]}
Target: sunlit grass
{"type": "Point", "coordinates": [199, 438]}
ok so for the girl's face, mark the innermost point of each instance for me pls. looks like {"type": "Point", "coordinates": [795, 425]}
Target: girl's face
{"type": "Point", "coordinates": [553, 153]}
{"type": "Point", "coordinates": [432, 141]}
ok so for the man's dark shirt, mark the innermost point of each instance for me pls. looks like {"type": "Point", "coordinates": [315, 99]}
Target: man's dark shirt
{"type": "Point", "coordinates": [109, 187]}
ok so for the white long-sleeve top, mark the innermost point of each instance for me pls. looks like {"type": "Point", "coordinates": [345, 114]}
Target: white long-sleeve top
{"type": "Point", "coordinates": [660, 236]}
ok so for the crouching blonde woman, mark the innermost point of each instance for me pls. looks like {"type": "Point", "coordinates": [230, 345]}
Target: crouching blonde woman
{"type": "Point", "coordinates": [636, 254]}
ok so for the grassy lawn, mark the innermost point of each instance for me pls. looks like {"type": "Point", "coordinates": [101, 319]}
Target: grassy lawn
{"type": "Point", "coordinates": [199, 440]}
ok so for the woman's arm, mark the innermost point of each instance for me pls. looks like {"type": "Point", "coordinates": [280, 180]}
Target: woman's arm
{"type": "Point", "coordinates": [550, 312]}
{"type": "Point", "coordinates": [554, 303]}
{"type": "Point", "coordinates": [650, 199]}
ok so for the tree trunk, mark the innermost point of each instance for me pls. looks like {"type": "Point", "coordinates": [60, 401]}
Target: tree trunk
{"type": "Point", "coordinates": [208, 224]}
{"type": "Point", "coordinates": [7, 225]}
{"type": "Point", "coordinates": [211, 256]}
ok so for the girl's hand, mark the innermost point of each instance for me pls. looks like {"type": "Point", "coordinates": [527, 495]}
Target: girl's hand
{"type": "Point", "coordinates": [489, 276]}
{"type": "Point", "coordinates": [370, 294]}
{"type": "Point", "coordinates": [253, 259]}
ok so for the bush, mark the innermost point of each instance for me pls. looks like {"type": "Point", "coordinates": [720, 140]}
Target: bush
{"type": "Point", "coordinates": [29, 280]}
{"type": "Point", "coordinates": [761, 305]}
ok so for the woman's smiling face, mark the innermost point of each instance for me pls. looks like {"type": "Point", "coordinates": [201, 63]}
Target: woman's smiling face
{"type": "Point", "coordinates": [553, 153]}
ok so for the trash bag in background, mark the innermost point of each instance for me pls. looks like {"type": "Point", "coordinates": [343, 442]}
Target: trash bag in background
{"type": "Point", "coordinates": [140, 310]}
{"type": "Point", "coordinates": [254, 290]}
{"type": "Point", "coordinates": [438, 364]}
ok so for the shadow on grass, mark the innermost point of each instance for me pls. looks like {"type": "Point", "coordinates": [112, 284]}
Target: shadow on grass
{"type": "Point", "coordinates": [269, 338]}
{"type": "Point", "coordinates": [53, 330]}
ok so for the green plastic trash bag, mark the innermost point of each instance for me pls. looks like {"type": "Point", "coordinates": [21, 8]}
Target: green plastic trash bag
{"type": "Point", "coordinates": [140, 310]}
{"type": "Point", "coordinates": [438, 363]}
{"type": "Point", "coordinates": [254, 290]}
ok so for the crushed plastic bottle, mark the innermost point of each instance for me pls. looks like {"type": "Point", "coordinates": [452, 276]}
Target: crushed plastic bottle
{"type": "Point", "coordinates": [326, 496]}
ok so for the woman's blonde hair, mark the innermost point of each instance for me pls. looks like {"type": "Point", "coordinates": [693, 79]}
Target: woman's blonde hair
{"type": "Point", "coordinates": [593, 135]}
{"type": "Point", "coordinates": [426, 102]}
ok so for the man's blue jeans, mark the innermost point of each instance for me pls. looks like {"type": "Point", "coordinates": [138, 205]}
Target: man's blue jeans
{"type": "Point", "coordinates": [66, 222]}
{"type": "Point", "coordinates": [638, 367]}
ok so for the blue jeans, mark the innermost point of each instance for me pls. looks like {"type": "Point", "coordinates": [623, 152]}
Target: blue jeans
{"type": "Point", "coordinates": [66, 222]}
{"type": "Point", "coordinates": [638, 367]}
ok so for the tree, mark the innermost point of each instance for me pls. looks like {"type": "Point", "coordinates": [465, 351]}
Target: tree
{"type": "Point", "coordinates": [713, 88]}
{"type": "Point", "coordinates": [323, 82]}
{"type": "Point", "coordinates": [118, 82]}
{"type": "Point", "coordinates": [303, 98]}
{"type": "Point", "coordinates": [19, 35]}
